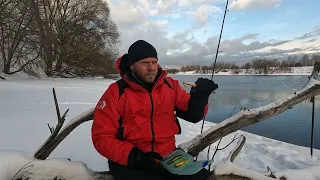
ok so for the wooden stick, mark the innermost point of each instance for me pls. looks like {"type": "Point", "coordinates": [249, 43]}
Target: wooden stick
{"type": "Point", "coordinates": [192, 84]}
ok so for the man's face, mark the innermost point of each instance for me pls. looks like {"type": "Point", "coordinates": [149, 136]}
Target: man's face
{"type": "Point", "coordinates": [146, 69]}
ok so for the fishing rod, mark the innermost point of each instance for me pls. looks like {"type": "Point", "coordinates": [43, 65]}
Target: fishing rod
{"type": "Point", "coordinates": [312, 126]}
{"type": "Point", "coordinates": [215, 61]}
{"type": "Point", "coordinates": [217, 52]}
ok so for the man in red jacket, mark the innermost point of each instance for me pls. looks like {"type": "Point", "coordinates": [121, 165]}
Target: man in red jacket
{"type": "Point", "coordinates": [135, 121]}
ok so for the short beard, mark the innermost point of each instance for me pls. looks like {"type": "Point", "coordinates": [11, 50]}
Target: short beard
{"type": "Point", "coordinates": [139, 78]}
{"type": "Point", "coordinates": [135, 76]}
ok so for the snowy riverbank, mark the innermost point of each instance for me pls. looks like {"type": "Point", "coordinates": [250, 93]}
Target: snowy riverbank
{"type": "Point", "coordinates": [27, 106]}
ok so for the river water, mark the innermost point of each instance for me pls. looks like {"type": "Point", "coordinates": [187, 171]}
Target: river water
{"type": "Point", "coordinates": [235, 92]}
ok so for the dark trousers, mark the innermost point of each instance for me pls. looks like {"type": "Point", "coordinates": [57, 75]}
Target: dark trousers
{"type": "Point", "coordinates": [120, 172]}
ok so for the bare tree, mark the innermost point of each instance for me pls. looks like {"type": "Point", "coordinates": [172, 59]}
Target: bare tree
{"type": "Point", "coordinates": [247, 66]}
{"type": "Point", "coordinates": [4, 8]}
{"type": "Point", "coordinates": [314, 59]}
{"type": "Point", "coordinates": [71, 32]}
{"type": "Point", "coordinates": [16, 46]}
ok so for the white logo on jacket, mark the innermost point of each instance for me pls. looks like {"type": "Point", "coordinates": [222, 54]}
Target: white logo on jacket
{"type": "Point", "coordinates": [101, 105]}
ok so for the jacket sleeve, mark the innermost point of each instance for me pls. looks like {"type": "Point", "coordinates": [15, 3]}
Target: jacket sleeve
{"type": "Point", "coordinates": [105, 126]}
{"type": "Point", "coordinates": [192, 106]}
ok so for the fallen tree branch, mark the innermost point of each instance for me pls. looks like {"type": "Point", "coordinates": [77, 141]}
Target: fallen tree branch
{"type": "Point", "coordinates": [50, 145]}
{"type": "Point", "coordinates": [45, 150]}
{"type": "Point", "coordinates": [2, 78]}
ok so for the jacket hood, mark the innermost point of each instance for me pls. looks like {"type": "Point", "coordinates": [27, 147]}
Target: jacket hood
{"type": "Point", "coordinates": [120, 63]}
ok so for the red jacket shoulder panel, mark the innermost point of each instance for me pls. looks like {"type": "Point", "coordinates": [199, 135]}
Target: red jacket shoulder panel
{"type": "Point", "coordinates": [105, 127]}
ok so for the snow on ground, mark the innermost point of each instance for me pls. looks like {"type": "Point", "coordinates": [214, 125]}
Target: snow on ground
{"type": "Point", "coordinates": [260, 152]}
{"type": "Point", "coordinates": [27, 106]}
{"type": "Point", "coordinates": [306, 70]}
{"type": "Point", "coordinates": [14, 161]}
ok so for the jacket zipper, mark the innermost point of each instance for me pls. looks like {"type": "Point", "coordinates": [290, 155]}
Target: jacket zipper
{"type": "Point", "coordinates": [151, 121]}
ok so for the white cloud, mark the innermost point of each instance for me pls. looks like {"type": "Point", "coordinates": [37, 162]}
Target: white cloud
{"type": "Point", "coordinates": [253, 4]}
{"type": "Point", "coordinates": [160, 22]}
{"type": "Point", "coordinates": [204, 11]}
{"type": "Point", "coordinates": [198, 2]}
{"type": "Point", "coordinates": [165, 6]}
{"type": "Point", "coordinates": [142, 19]}
{"type": "Point", "coordinates": [125, 15]}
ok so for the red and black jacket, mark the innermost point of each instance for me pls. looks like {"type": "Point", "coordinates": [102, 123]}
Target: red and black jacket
{"type": "Point", "coordinates": [128, 115]}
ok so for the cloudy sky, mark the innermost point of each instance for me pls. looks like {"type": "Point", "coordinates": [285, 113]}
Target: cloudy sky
{"type": "Point", "coordinates": [187, 31]}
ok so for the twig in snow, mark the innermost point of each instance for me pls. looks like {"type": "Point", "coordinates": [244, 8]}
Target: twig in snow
{"type": "Point", "coordinates": [218, 143]}
{"type": "Point", "coordinates": [234, 138]}
{"type": "Point", "coordinates": [234, 153]}
{"type": "Point", "coordinates": [219, 140]}
{"type": "Point", "coordinates": [217, 147]}
{"type": "Point", "coordinates": [270, 173]}
{"type": "Point", "coordinates": [23, 167]}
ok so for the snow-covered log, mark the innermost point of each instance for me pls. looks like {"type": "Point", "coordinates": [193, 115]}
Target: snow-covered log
{"type": "Point", "coordinates": [247, 117]}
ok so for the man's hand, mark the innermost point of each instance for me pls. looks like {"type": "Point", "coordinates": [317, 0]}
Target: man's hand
{"type": "Point", "coordinates": [146, 161]}
{"type": "Point", "coordinates": [205, 86]}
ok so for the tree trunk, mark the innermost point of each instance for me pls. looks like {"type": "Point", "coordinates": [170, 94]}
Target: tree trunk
{"type": "Point", "coordinates": [44, 39]}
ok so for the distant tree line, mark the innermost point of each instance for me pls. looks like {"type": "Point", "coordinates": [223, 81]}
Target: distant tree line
{"type": "Point", "coordinates": [75, 37]}
{"type": "Point", "coordinates": [259, 65]}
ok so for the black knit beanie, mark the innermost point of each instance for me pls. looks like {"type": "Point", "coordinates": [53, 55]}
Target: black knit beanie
{"type": "Point", "coordinates": [140, 50]}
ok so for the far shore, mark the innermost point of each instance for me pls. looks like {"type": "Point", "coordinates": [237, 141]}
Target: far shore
{"type": "Point", "coordinates": [243, 74]}
{"type": "Point", "coordinates": [294, 71]}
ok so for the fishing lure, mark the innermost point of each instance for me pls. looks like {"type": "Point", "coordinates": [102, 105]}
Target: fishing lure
{"type": "Point", "coordinates": [175, 159]}
{"type": "Point", "coordinates": [181, 163]}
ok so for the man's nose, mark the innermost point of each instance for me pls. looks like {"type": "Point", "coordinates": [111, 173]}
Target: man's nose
{"type": "Point", "coordinates": [151, 66]}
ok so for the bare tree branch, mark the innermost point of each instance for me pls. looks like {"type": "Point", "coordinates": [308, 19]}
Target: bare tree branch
{"type": "Point", "coordinates": [46, 149]}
